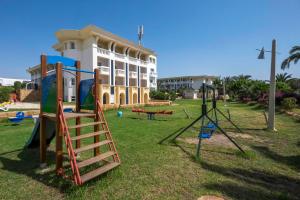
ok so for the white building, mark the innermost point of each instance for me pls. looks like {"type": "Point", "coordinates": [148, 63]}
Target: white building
{"type": "Point", "coordinates": [128, 70]}
{"type": "Point", "coordinates": [11, 81]}
{"type": "Point", "coordinates": [185, 82]}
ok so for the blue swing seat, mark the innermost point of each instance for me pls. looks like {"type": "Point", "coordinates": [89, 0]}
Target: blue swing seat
{"type": "Point", "coordinates": [207, 131]}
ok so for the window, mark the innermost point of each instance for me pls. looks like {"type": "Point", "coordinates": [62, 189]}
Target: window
{"type": "Point", "coordinates": [153, 60]}
{"type": "Point", "coordinates": [73, 81]}
{"type": "Point", "coordinates": [66, 45]}
{"type": "Point", "coordinates": [72, 45]}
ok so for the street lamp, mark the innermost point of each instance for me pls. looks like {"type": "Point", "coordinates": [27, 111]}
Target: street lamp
{"type": "Point", "coordinates": [272, 90]}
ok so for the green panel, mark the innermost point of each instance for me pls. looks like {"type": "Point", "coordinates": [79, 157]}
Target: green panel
{"type": "Point", "coordinates": [89, 103]}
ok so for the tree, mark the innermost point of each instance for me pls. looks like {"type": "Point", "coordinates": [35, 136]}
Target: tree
{"type": "Point", "coordinates": [294, 57]}
{"type": "Point", "coordinates": [283, 77]}
{"type": "Point", "coordinates": [17, 85]}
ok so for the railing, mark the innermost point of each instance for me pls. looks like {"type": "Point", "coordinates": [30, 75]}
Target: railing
{"type": "Point", "coordinates": [153, 74]}
{"type": "Point", "coordinates": [120, 72]}
{"type": "Point", "coordinates": [143, 76]}
{"type": "Point", "coordinates": [144, 62]}
{"type": "Point", "coordinates": [103, 51]}
{"type": "Point", "coordinates": [104, 70]}
{"type": "Point", "coordinates": [121, 56]}
{"type": "Point", "coordinates": [132, 74]}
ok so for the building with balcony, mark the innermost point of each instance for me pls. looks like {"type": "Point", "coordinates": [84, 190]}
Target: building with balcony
{"type": "Point", "coordinates": [128, 71]}
{"type": "Point", "coordinates": [191, 84]}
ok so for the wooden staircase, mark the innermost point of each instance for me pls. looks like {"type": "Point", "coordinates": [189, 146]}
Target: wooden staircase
{"type": "Point", "coordinates": [108, 159]}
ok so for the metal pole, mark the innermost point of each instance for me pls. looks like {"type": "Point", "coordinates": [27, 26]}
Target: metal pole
{"type": "Point", "coordinates": [271, 118]}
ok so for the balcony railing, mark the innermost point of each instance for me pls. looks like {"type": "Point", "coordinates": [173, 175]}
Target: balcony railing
{"type": "Point", "coordinates": [153, 74]}
{"type": "Point", "coordinates": [144, 62]}
{"type": "Point", "coordinates": [103, 51]}
{"type": "Point", "coordinates": [143, 76]}
{"type": "Point", "coordinates": [132, 74]}
{"type": "Point", "coordinates": [120, 72]}
{"type": "Point", "coordinates": [120, 56]}
{"type": "Point", "coordinates": [104, 70]}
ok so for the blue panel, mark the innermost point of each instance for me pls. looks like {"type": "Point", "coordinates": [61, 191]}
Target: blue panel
{"type": "Point", "coordinates": [46, 83]}
{"type": "Point", "coordinates": [139, 95]}
{"type": "Point", "coordinates": [84, 88]}
{"type": "Point", "coordinates": [127, 95]}
{"type": "Point", "coordinates": [64, 60]}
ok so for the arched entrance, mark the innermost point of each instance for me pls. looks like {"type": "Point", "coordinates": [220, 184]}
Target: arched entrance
{"type": "Point", "coordinates": [105, 98]}
{"type": "Point", "coordinates": [122, 99]}
{"type": "Point", "coordinates": [145, 98]}
{"type": "Point", "coordinates": [134, 98]}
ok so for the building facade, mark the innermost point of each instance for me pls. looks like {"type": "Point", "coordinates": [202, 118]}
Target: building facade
{"type": "Point", "coordinates": [184, 82]}
{"type": "Point", "coordinates": [11, 81]}
{"type": "Point", "coordinates": [128, 71]}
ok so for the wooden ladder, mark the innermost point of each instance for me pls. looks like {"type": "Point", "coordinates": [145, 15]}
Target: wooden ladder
{"type": "Point", "coordinates": [77, 166]}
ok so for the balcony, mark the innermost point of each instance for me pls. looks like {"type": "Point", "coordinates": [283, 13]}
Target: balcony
{"type": "Point", "coordinates": [120, 56]}
{"type": "Point", "coordinates": [104, 70]}
{"type": "Point", "coordinates": [120, 72]}
{"type": "Point", "coordinates": [143, 76]}
{"type": "Point", "coordinates": [144, 62]}
{"type": "Point", "coordinates": [103, 52]}
{"type": "Point", "coordinates": [132, 74]}
{"type": "Point", "coordinates": [153, 74]}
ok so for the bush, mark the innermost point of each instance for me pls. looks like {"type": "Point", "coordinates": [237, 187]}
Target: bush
{"type": "Point", "coordinates": [289, 103]}
{"type": "Point", "coordinates": [4, 93]}
{"type": "Point", "coordinates": [17, 85]}
{"type": "Point", "coordinates": [160, 95]}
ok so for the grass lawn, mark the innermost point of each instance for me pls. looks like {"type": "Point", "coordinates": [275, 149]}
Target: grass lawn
{"type": "Point", "coordinates": [168, 171]}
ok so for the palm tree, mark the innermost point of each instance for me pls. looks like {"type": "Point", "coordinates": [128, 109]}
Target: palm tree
{"type": "Point", "coordinates": [283, 77]}
{"type": "Point", "coordinates": [294, 57]}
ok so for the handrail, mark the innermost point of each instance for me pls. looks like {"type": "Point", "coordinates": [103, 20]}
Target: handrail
{"type": "Point", "coordinates": [69, 146]}
{"type": "Point", "coordinates": [77, 70]}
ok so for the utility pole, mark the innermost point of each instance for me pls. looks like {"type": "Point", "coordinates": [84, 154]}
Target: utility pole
{"type": "Point", "coordinates": [272, 90]}
{"type": "Point", "coordinates": [224, 91]}
{"type": "Point", "coordinates": [271, 117]}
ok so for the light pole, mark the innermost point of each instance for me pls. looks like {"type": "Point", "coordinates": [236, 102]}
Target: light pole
{"type": "Point", "coordinates": [272, 90]}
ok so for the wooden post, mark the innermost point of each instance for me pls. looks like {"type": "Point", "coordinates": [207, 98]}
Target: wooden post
{"type": "Point", "coordinates": [78, 121]}
{"type": "Point", "coordinates": [43, 147]}
{"type": "Point", "coordinates": [97, 118]}
{"type": "Point", "coordinates": [59, 144]}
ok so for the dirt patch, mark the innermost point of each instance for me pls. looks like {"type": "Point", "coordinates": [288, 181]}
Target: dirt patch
{"type": "Point", "coordinates": [210, 197]}
{"type": "Point", "coordinates": [216, 140]}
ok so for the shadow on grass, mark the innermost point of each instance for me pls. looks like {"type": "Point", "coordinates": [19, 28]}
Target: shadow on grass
{"type": "Point", "coordinates": [28, 164]}
{"type": "Point", "coordinates": [259, 184]}
{"type": "Point", "coordinates": [291, 161]}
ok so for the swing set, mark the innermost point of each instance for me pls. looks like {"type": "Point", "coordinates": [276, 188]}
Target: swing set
{"type": "Point", "coordinates": [207, 130]}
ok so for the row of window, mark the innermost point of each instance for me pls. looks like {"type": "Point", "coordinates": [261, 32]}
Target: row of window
{"type": "Point", "coordinates": [152, 60]}
{"type": "Point", "coordinates": [69, 45]}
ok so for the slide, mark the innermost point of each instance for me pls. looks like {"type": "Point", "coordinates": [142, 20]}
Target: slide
{"type": "Point", "coordinates": [34, 140]}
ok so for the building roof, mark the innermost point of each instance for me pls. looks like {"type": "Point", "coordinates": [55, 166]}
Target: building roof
{"type": "Point", "coordinates": [91, 30]}
{"type": "Point", "coordinates": [188, 77]}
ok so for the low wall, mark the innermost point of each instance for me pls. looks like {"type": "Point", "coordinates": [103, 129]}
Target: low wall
{"type": "Point", "coordinates": [28, 95]}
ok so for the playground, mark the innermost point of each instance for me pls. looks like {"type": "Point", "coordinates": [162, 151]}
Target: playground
{"type": "Point", "coordinates": [269, 170]}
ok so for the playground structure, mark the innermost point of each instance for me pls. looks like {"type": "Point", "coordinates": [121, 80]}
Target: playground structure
{"type": "Point", "coordinates": [54, 122]}
{"type": "Point", "coordinates": [20, 116]}
{"type": "Point", "coordinates": [151, 114]}
{"type": "Point", "coordinates": [4, 106]}
{"type": "Point", "coordinates": [207, 130]}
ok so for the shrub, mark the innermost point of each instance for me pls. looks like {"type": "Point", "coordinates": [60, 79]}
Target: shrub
{"type": "Point", "coordinates": [289, 103]}
{"type": "Point", "coordinates": [17, 85]}
{"type": "Point", "coordinates": [4, 93]}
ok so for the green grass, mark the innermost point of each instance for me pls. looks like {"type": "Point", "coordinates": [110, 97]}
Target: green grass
{"type": "Point", "coordinates": [270, 170]}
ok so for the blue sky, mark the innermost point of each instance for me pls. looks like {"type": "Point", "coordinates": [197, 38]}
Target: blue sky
{"type": "Point", "coordinates": [212, 37]}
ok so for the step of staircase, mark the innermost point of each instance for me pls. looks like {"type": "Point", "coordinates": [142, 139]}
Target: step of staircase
{"type": "Point", "coordinates": [88, 135]}
{"type": "Point", "coordinates": [86, 124]}
{"type": "Point", "coordinates": [91, 146]}
{"type": "Point", "coordinates": [92, 174]}
{"type": "Point", "coordinates": [95, 159]}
